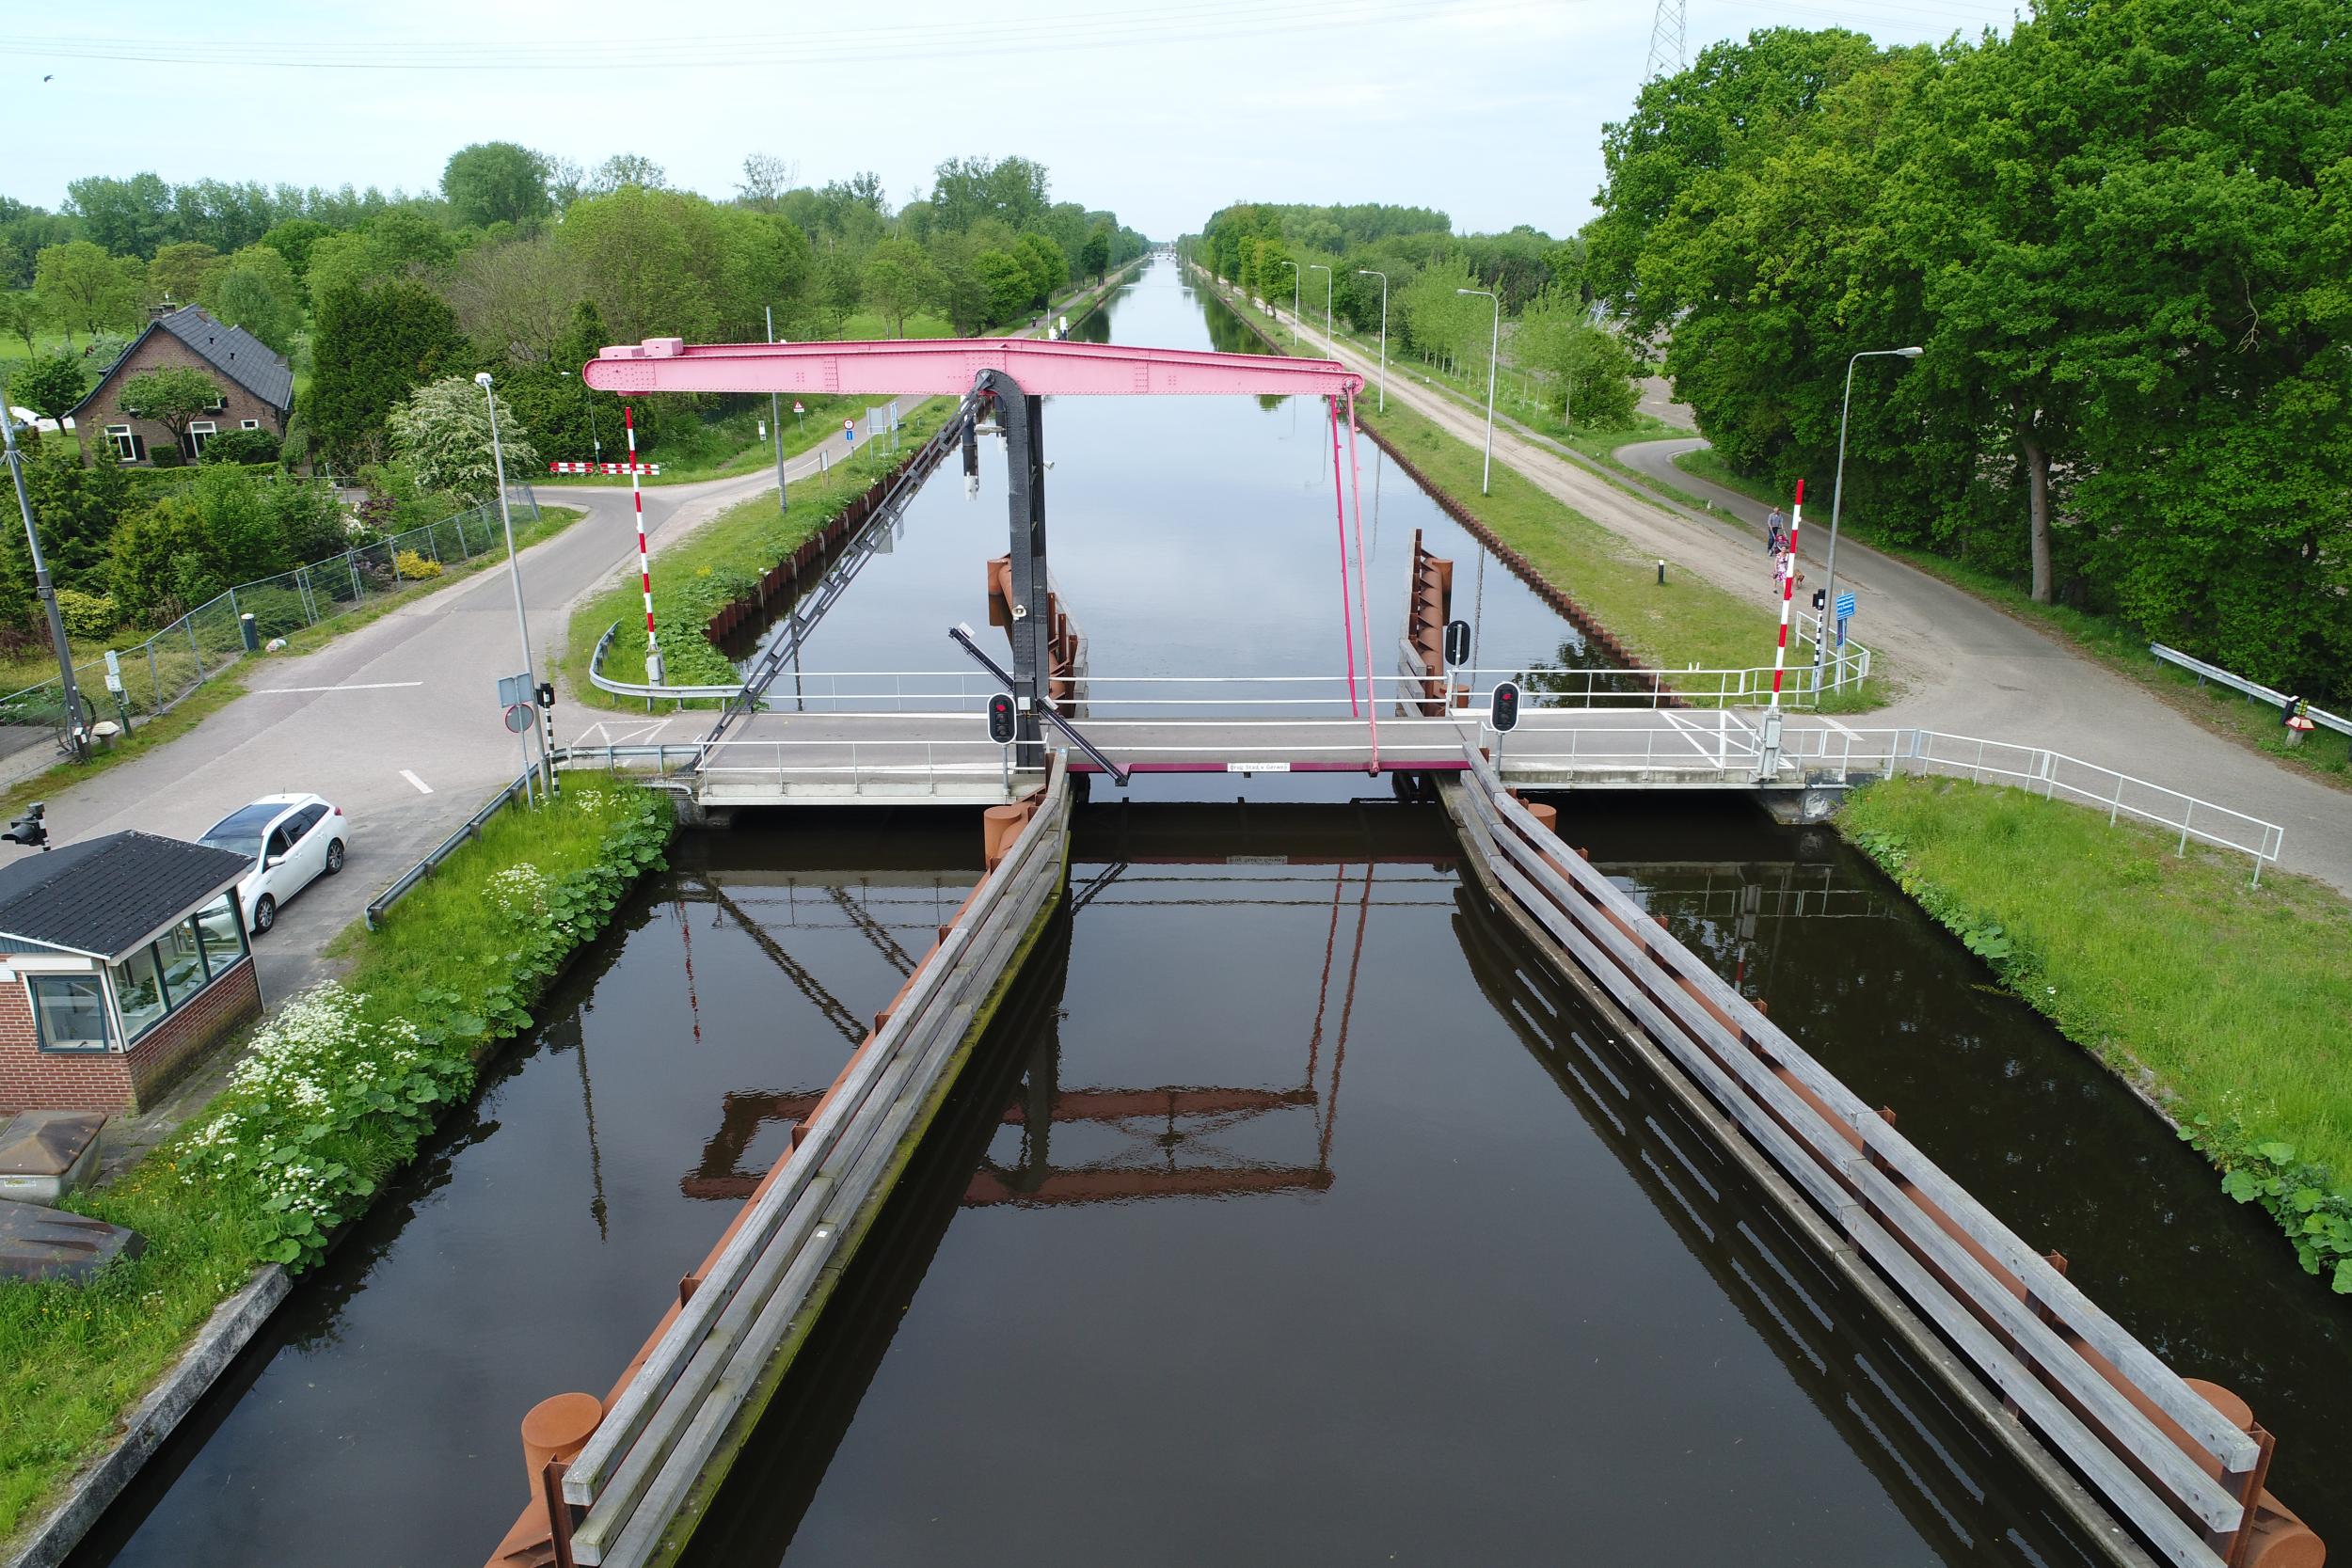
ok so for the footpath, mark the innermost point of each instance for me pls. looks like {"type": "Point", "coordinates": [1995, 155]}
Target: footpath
{"type": "Point", "coordinates": [1956, 663]}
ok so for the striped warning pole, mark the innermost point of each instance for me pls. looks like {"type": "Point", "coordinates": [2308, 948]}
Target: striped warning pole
{"type": "Point", "coordinates": [1788, 590]}
{"type": "Point", "coordinates": [644, 564]}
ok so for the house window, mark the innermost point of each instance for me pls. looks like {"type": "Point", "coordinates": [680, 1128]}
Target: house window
{"type": "Point", "coordinates": [249, 424]}
{"type": "Point", "coordinates": [127, 445]}
{"type": "Point", "coordinates": [200, 433]}
{"type": "Point", "coordinates": [69, 1011]}
{"type": "Point", "coordinates": [183, 962]}
{"type": "Point", "coordinates": [222, 933]}
{"type": "Point", "coordinates": [139, 994]}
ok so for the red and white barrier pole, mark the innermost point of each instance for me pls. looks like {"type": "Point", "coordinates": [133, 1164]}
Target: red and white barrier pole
{"type": "Point", "coordinates": [1788, 590]}
{"type": "Point", "coordinates": [644, 562]}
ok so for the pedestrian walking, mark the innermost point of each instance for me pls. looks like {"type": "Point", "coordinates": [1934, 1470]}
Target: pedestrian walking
{"type": "Point", "coordinates": [849, 430]}
{"type": "Point", "coordinates": [1776, 532]}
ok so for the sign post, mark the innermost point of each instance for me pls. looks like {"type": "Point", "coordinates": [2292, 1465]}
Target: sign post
{"type": "Point", "coordinates": [514, 696]}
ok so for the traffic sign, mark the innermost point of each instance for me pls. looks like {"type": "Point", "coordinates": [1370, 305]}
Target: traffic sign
{"type": "Point", "coordinates": [1457, 643]}
{"type": "Point", "coordinates": [513, 690]}
{"type": "Point", "coordinates": [799, 407]}
{"type": "Point", "coordinates": [114, 672]}
{"type": "Point", "coordinates": [1845, 607]}
{"type": "Point", "coordinates": [519, 717]}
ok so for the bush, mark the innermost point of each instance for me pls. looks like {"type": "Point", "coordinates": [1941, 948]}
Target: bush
{"type": "Point", "coordinates": [165, 457]}
{"type": "Point", "coordinates": [241, 446]}
{"type": "Point", "coordinates": [415, 567]}
{"type": "Point", "coordinates": [88, 616]}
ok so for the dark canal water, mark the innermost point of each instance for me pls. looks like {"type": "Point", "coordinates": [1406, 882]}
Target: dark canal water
{"type": "Point", "coordinates": [1291, 1216]}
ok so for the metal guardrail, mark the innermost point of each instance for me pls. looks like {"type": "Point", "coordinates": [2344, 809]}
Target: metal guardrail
{"type": "Point", "coordinates": [2180, 1472]}
{"type": "Point", "coordinates": [401, 885]}
{"type": "Point", "coordinates": [2253, 689]}
{"type": "Point", "coordinates": [650, 1450]}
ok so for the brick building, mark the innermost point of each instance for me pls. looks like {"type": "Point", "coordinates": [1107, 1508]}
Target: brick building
{"type": "Point", "coordinates": [123, 961]}
{"type": "Point", "coordinates": [256, 386]}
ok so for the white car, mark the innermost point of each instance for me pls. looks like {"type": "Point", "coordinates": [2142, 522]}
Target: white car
{"type": "Point", "coordinates": [291, 840]}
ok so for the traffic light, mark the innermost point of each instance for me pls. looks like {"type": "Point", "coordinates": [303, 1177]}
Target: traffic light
{"type": "Point", "coordinates": [28, 830]}
{"type": "Point", "coordinates": [1001, 725]}
{"type": "Point", "coordinates": [1506, 709]}
{"type": "Point", "coordinates": [1820, 597]}
{"type": "Point", "coordinates": [547, 693]}
{"type": "Point", "coordinates": [1457, 643]}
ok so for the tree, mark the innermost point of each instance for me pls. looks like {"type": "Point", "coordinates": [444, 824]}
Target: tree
{"type": "Point", "coordinates": [1593, 367]}
{"type": "Point", "coordinates": [442, 430]}
{"type": "Point", "coordinates": [899, 278]}
{"type": "Point", "coordinates": [124, 218]}
{"type": "Point", "coordinates": [162, 560]}
{"type": "Point", "coordinates": [636, 247]}
{"type": "Point", "coordinates": [49, 385]}
{"type": "Point", "coordinates": [766, 178]}
{"type": "Point", "coordinates": [21, 315]}
{"type": "Point", "coordinates": [87, 287]}
{"type": "Point", "coordinates": [78, 504]}
{"type": "Point", "coordinates": [293, 239]}
{"type": "Point", "coordinates": [515, 300]}
{"type": "Point", "coordinates": [173, 396]}
{"type": "Point", "coordinates": [624, 169]}
{"type": "Point", "coordinates": [398, 243]}
{"type": "Point", "coordinates": [1048, 269]}
{"type": "Point", "coordinates": [1005, 283]}
{"type": "Point", "coordinates": [495, 181]}
{"type": "Point", "coordinates": [1094, 257]}
{"type": "Point", "coordinates": [178, 273]}
{"type": "Point", "coordinates": [255, 289]}
{"type": "Point", "coordinates": [373, 346]}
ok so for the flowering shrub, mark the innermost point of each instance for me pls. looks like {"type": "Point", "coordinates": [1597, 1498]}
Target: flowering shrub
{"type": "Point", "coordinates": [416, 567]}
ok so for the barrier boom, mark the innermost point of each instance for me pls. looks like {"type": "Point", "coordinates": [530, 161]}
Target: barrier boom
{"type": "Point", "coordinates": [947, 366]}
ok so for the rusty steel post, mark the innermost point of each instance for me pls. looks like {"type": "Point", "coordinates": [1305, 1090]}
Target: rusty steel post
{"type": "Point", "coordinates": [1023, 419]}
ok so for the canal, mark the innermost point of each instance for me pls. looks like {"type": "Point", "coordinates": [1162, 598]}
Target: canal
{"type": "Point", "coordinates": [1293, 1214]}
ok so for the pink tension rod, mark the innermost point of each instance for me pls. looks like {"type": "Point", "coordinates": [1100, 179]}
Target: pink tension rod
{"type": "Point", "coordinates": [946, 366]}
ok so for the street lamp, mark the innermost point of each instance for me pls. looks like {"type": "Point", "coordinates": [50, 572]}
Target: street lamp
{"type": "Point", "coordinates": [1836, 496]}
{"type": "Point", "coordinates": [1367, 272]}
{"type": "Point", "coordinates": [42, 585]}
{"type": "Point", "coordinates": [1318, 266]}
{"type": "Point", "coordinates": [515, 570]}
{"type": "Point", "coordinates": [1494, 352]}
{"type": "Point", "coordinates": [1295, 276]}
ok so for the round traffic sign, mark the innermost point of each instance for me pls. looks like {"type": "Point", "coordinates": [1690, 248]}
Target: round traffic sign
{"type": "Point", "coordinates": [519, 717]}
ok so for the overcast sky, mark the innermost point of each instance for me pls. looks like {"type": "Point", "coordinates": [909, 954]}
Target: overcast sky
{"type": "Point", "coordinates": [1163, 110]}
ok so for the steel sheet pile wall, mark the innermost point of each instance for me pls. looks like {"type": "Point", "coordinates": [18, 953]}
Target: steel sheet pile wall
{"type": "Point", "coordinates": [2052, 1374]}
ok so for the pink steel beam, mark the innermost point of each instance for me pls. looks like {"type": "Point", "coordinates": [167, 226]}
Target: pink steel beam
{"type": "Point", "coordinates": [946, 366]}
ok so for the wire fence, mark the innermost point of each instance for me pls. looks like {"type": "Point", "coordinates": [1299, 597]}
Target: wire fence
{"type": "Point", "coordinates": [155, 675]}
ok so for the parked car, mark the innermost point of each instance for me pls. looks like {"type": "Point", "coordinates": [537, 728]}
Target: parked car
{"type": "Point", "coordinates": [290, 839]}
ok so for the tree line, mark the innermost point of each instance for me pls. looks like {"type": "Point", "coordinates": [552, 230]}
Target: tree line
{"type": "Point", "coordinates": [1273, 250]}
{"type": "Point", "coordinates": [2119, 233]}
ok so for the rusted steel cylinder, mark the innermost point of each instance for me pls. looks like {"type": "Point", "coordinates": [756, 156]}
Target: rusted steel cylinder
{"type": "Point", "coordinates": [558, 1428]}
{"type": "Point", "coordinates": [2278, 1538]}
{"type": "Point", "coordinates": [1547, 817]}
{"type": "Point", "coordinates": [999, 827]}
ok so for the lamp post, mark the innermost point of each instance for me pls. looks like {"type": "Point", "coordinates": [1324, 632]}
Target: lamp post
{"type": "Point", "coordinates": [775, 422]}
{"type": "Point", "coordinates": [1367, 272]}
{"type": "Point", "coordinates": [1494, 352]}
{"type": "Point", "coordinates": [1836, 497]}
{"type": "Point", "coordinates": [1318, 266]}
{"type": "Point", "coordinates": [1295, 276]}
{"type": "Point", "coordinates": [513, 568]}
{"type": "Point", "coordinates": [42, 584]}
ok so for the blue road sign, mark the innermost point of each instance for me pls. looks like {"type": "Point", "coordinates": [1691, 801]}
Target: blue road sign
{"type": "Point", "coordinates": [1845, 607]}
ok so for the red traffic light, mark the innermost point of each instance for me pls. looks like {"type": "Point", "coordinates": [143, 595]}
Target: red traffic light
{"type": "Point", "coordinates": [1002, 725]}
{"type": "Point", "coordinates": [1506, 717]}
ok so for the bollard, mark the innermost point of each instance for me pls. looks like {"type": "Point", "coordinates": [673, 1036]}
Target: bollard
{"type": "Point", "coordinates": [1661, 574]}
{"type": "Point", "coordinates": [558, 1428]}
{"type": "Point", "coordinates": [251, 633]}
{"type": "Point", "coordinates": [1547, 817]}
{"type": "Point", "coordinates": [999, 827]}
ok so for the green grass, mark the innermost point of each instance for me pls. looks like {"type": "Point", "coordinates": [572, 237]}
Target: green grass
{"type": "Point", "coordinates": [72, 1360]}
{"type": "Point", "coordinates": [2233, 996]}
{"type": "Point", "coordinates": [2121, 646]}
{"type": "Point", "coordinates": [715, 564]}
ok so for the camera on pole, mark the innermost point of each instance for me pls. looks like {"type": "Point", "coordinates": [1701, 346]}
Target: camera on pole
{"type": "Point", "coordinates": [28, 829]}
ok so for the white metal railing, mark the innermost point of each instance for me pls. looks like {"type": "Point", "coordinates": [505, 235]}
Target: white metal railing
{"type": "Point", "coordinates": [2275, 698]}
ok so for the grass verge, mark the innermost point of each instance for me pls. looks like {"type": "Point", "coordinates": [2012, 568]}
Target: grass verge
{"type": "Point", "coordinates": [718, 564]}
{"type": "Point", "coordinates": [220, 690]}
{"type": "Point", "coordinates": [2225, 1000]}
{"type": "Point", "coordinates": [2114, 642]}
{"type": "Point", "coordinates": [339, 1090]}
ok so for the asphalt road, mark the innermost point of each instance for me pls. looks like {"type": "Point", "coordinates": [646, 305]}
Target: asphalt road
{"type": "Point", "coordinates": [397, 722]}
{"type": "Point", "coordinates": [1958, 664]}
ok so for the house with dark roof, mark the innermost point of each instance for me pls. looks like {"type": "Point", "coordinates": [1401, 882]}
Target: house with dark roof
{"type": "Point", "coordinates": [123, 962]}
{"type": "Point", "coordinates": [256, 386]}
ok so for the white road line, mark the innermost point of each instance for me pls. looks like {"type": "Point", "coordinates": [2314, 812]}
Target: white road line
{"type": "Point", "coordinates": [1835, 726]}
{"type": "Point", "coordinates": [422, 787]}
{"type": "Point", "coordinates": [365, 686]}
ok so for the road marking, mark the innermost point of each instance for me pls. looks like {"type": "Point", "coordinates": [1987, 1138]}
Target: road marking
{"type": "Point", "coordinates": [367, 685]}
{"type": "Point", "coordinates": [1835, 726]}
{"type": "Point", "coordinates": [422, 787]}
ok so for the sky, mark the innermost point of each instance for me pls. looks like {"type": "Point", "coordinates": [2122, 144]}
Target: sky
{"type": "Point", "coordinates": [1161, 110]}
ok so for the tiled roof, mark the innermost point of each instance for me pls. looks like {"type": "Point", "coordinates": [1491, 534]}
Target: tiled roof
{"type": "Point", "coordinates": [101, 896]}
{"type": "Point", "coordinates": [235, 353]}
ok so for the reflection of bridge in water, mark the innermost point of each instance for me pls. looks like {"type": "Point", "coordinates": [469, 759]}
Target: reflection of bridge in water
{"type": "Point", "coordinates": [1170, 1143]}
